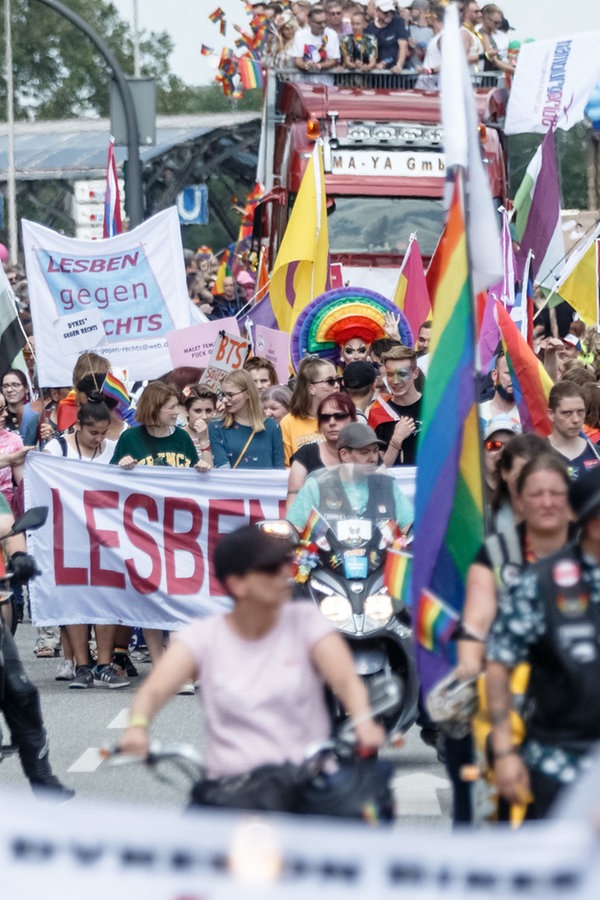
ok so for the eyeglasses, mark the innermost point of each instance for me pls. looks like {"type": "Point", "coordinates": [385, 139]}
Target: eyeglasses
{"type": "Point", "coordinates": [229, 395]}
{"type": "Point", "coordinates": [354, 351]}
{"type": "Point", "coordinates": [331, 381]}
{"type": "Point", "coordinates": [12, 386]}
{"type": "Point", "coordinates": [493, 445]}
{"type": "Point", "coordinates": [338, 416]}
{"type": "Point", "coordinates": [399, 375]}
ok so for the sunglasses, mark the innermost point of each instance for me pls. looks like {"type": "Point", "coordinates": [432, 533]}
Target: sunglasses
{"type": "Point", "coordinates": [400, 375]}
{"type": "Point", "coordinates": [331, 381]}
{"type": "Point", "coordinates": [493, 445]}
{"type": "Point", "coordinates": [338, 416]}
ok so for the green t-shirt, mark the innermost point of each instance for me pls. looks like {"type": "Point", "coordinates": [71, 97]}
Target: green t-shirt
{"type": "Point", "coordinates": [175, 449]}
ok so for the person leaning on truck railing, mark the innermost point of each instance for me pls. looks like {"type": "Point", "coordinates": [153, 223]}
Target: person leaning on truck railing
{"type": "Point", "coordinates": [316, 47]}
{"type": "Point", "coordinates": [391, 34]}
{"type": "Point", "coordinates": [359, 49]}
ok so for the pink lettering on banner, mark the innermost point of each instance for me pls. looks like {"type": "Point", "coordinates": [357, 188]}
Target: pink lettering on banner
{"type": "Point", "coordinates": [183, 542]}
{"type": "Point", "coordinates": [62, 573]}
{"type": "Point", "coordinates": [142, 541]}
{"type": "Point", "coordinates": [100, 577]}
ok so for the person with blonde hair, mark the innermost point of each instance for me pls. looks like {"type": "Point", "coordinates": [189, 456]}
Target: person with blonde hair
{"type": "Point", "coordinates": [243, 438]}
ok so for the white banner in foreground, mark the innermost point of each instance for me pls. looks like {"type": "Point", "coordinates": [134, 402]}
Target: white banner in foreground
{"type": "Point", "coordinates": [130, 288]}
{"type": "Point", "coordinates": [136, 547]}
{"type": "Point", "coordinates": [552, 83]}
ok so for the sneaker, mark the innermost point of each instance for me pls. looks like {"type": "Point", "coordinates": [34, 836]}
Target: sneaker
{"type": "Point", "coordinates": [106, 676]}
{"type": "Point", "coordinates": [66, 670]}
{"type": "Point", "coordinates": [83, 678]}
{"type": "Point", "coordinates": [187, 688]}
{"type": "Point", "coordinates": [122, 663]}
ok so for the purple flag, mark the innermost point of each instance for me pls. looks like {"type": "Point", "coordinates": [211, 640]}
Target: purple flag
{"type": "Point", "coordinates": [259, 314]}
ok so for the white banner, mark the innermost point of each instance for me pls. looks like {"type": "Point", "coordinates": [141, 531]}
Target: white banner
{"type": "Point", "coordinates": [135, 547]}
{"type": "Point", "coordinates": [136, 281]}
{"type": "Point", "coordinates": [552, 83]}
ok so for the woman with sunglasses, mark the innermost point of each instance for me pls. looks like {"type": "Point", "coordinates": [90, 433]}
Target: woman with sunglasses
{"type": "Point", "coordinates": [492, 18]}
{"type": "Point", "coordinates": [317, 379]}
{"type": "Point", "coordinates": [332, 414]}
{"type": "Point", "coordinates": [244, 438]}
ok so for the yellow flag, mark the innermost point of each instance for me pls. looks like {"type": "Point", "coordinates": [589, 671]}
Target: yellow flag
{"type": "Point", "coordinates": [579, 286]}
{"type": "Point", "coordinates": [301, 270]}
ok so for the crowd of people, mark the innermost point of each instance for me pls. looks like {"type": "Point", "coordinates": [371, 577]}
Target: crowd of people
{"type": "Point", "coordinates": [380, 35]}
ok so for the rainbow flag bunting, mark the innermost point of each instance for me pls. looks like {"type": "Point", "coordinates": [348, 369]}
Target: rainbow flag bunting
{"type": "Point", "coordinates": [435, 622]}
{"type": "Point", "coordinates": [396, 574]}
{"type": "Point", "coordinates": [531, 382]}
{"type": "Point", "coordinates": [206, 51]}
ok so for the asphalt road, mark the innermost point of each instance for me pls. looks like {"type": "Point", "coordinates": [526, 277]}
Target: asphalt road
{"type": "Point", "coordinates": [81, 722]}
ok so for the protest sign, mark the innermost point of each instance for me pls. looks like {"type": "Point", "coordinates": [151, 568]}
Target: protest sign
{"type": "Point", "coordinates": [135, 281]}
{"type": "Point", "coordinates": [79, 332]}
{"type": "Point", "coordinates": [229, 353]}
{"type": "Point", "coordinates": [136, 547]}
{"type": "Point", "coordinates": [193, 346]}
{"type": "Point", "coordinates": [275, 346]}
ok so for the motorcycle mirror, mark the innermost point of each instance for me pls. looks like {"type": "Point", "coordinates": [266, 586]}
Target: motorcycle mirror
{"type": "Point", "coordinates": [29, 521]}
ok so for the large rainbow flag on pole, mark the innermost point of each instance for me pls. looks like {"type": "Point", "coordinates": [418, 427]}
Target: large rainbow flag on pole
{"type": "Point", "coordinates": [449, 516]}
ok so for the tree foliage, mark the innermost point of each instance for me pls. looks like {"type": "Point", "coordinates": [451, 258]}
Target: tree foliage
{"type": "Point", "coordinates": [59, 73]}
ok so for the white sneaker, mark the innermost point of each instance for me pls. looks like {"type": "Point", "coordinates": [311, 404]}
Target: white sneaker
{"type": "Point", "coordinates": [187, 688]}
{"type": "Point", "coordinates": [66, 670]}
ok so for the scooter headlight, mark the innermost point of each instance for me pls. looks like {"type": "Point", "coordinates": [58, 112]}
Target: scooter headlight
{"type": "Point", "coordinates": [338, 610]}
{"type": "Point", "coordinates": [378, 610]}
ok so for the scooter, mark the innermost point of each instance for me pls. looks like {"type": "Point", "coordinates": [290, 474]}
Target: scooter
{"type": "Point", "coordinates": [340, 567]}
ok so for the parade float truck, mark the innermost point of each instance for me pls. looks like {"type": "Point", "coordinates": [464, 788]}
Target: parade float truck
{"type": "Point", "coordinates": [383, 152]}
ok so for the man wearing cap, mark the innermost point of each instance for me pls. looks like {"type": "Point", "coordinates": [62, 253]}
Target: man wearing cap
{"type": "Point", "coordinates": [261, 668]}
{"type": "Point", "coordinates": [358, 382]}
{"type": "Point", "coordinates": [550, 618]}
{"type": "Point", "coordinates": [346, 492]}
{"type": "Point", "coordinates": [392, 36]}
{"type": "Point", "coordinates": [497, 432]}
{"type": "Point", "coordinates": [566, 411]}
{"type": "Point", "coordinates": [502, 402]}
{"type": "Point", "coordinates": [420, 33]}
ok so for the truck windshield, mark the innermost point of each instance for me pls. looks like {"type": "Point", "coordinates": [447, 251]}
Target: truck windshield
{"type": "Point", "coordinates": [384, 224]}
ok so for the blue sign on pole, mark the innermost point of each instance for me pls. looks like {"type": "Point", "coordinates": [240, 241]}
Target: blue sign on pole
{"type": "Point", "coordinates": [192, 205]}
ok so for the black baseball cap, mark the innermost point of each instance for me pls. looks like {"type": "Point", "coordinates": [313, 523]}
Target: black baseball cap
{"type": "Point", "coordinates": [249, 549]}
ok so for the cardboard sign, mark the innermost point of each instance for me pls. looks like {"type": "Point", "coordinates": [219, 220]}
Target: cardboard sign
{"type": "Point", "coordinates": [229, 353]}
{"type": "Point", "coordinates": [79, 332]}
{"type": "Point", "coordinates": [193, 346]}
{"type": "Point", "coordinates": [275, 346]}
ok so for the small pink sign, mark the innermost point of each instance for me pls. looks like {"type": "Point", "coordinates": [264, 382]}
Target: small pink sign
{"type": "Point", "coordinates": [275, 346]}
{"type": "Point", "coordinates": [193, 346]}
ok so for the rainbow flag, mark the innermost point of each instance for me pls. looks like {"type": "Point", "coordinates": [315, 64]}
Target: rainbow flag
{"type": "Point", "coordinates": [251, 73]}
{"type": "Point", "coordinates": [206, 51]}
{"type": "Point", "coordinates": [435, 622]}
{"type": "Point", "coordinates": [531, 382]}
{"type": "Point", "coordinates": [449, 490]}
{"type": "Point", "coordinates": [114, 388]}
{"type": "Point", "coordinates": [412, 295]}
{"type": "Point", "coordinates": [316, 527]}
{"type": "Point", "coordinates": [397, 571]}
{"type": "Point", "coordinates": [216, 15]}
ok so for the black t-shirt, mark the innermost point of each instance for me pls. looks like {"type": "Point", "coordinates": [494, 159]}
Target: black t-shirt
{"type": "Point", "coordinates": [387, 40]}
{"type": "Point", "coordinates": [408, 453]}
{"type": "Point", "coordinates": [308, 456]}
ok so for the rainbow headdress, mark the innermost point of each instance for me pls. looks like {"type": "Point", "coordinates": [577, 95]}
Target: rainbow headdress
{"type": "Point", "coordinates": [341, 314]}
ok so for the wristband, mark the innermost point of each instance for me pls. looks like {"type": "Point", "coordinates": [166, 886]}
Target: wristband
{"type": "Point", "coordinates": [510, 751]}
{"type": "Point", "coordinates": [138, 722]}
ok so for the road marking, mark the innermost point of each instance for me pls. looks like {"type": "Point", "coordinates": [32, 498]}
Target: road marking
{"type": "Point", "coordinates": [121, 720]}
{"type": "Point", "coordinates": [89, 761]}
{"type": "Point", "coordinates": [417, 794]}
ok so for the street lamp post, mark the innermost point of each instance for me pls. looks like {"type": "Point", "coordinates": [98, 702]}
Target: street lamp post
{"type": "Point", "coordinates": [134, 168]}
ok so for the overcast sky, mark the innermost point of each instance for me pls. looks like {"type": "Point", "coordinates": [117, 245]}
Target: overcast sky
{"type": "Point", "coordinates": [188, 23]}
